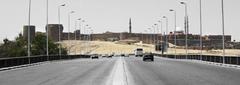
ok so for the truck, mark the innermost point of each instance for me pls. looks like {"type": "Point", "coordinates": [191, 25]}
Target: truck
{"type": "Point", "coordinates": [138, 52]}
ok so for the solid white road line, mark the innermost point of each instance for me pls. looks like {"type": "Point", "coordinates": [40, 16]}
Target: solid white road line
{"type": "Point", "coordinates": [129, 78]}
{"type": "Point", "coordinates": [119, 75]}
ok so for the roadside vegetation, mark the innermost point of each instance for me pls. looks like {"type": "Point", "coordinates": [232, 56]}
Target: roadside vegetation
{"type": "Point", "coordinates": [18, 47]}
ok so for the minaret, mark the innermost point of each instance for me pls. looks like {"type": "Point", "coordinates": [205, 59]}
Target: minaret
{"type": "Point", "coordinates": [130, 25]}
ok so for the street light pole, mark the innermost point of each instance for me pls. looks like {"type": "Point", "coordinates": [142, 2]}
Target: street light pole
{"type": "Point", "coordinates": [201, 45]}
{"type": "Point", "coordinates": [29, 23]}
{"type": "Point", "coordinates": [69, 16]}
{"type": "Point", "coordinates": [223, 31]}
{"type": "Point", "coordinates": [186, 29]}
{"type": "Point", "coordinates": [75, 30]}
{"type": "Point", "coordinates": [85, 32]}
{"type": "Point", "coordinates": [59, 29]}
{"type": "Point", "coordinates": [150, 31]}
{"type": "Point", "coordinates": [75, 37]}
{"type": "Point", "coordinates": [146, 31]}
{"type": "Point", "coordinates": [175, 29]}
{"type": "Point", "coordinates": [85, 37]}
{"type": "Point", "coordinates": [166, 33]}
{"type": "Point", "coordinates": [88, 39]}
{"type": "Point", "coordinates": [75, 34]}
{"type": "Point", "coordinates": [154, 30]}
{"type": "Point", "coordinates": [80, 33]}
{"type": "Point", "coordinates": [161, 36]}
{"type": "Point", "coordinates": [141, 37]}
{"type": "Point", "coordinates": [47, 30]}
{"type": "Point", "coordinates": [157, 26]}
{"type": "Point", "coordinates": [80, 26]}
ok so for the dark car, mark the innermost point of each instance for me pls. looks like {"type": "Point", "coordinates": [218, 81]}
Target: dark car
{"type": "Point", "coordinates": [94, 57]}
{"type": "Point", "coordinates": [110, 56]}
{"type": "Point", "coordinates": [148, 57]}
{"type": "Point", "coordinates": [122, 55]}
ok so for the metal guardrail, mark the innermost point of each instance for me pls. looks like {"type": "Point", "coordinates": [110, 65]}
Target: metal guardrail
{"type": "Point", "coordinates": [234, 60]}
{"type": "Point", "coordinates": [16, 61]}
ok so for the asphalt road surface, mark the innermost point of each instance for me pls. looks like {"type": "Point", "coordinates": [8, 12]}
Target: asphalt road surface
{"type": "Point", "coordinates": [121, 71]}
{"type": "Point", "coordinates": [70, 72]}
{"type": "Point", "coordinates": [180, 72]}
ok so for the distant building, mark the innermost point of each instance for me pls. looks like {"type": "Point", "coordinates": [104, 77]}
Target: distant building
{"type": "Point", "coordinates": [54, 31]}
{"type": "Point", "coordinates": [209, 41]}
{"type": "Point", "coordinates": [32, 32]}
{"type": "Point", "coordinates": [219, 37]}
{"type": "Point", "coordinates": [180, 32]}
{"type": "Point", "coordinates": [77, 33]}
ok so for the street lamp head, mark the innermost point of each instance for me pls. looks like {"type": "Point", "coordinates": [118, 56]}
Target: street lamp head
{"type": "Point", "coordinates": [89, 28]}
{"type": "Point", "coordinates": [63, 5]}
{"type": "Point", "coordinates": [164, 17]}
{"type": "Point", "coordinates": [155, 24]}
{"type": "Point", "coordinates": [171, 10]}
{"type": "Point", "coordinates": [72, 12]}
{"type": "Point", "coordinates": [159, 21]}
{"type": "Point", "coordinates": [182, 2]}
{"type": "Point", "coordinates": [79, 19]}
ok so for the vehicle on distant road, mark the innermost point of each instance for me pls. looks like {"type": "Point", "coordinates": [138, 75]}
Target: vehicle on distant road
{"type": "Point", "coordinates": [105, 55]}
{"type": "Point", "coordinates": [94, 57]}
{"type": "Point", "coordinates": [149, 56]}
{"type": "Point", "coordinates": [138, 52]}
{"type": "Point", "coordinates": [110, 56]}
{"type": "Point", "coordinates": [122, 55]}
{"type": "Point", "coordinates": [126, 55]}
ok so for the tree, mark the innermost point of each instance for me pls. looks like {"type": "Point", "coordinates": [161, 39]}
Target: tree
{"type": "Point", "coordinates": [13, 48]}
{"type": "Point", "coordinates": [18, 47]}
{"type": "Point", "coordinates": [39, 46]}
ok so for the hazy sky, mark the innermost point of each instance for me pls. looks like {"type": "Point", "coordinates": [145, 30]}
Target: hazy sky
{"type": "Point", "coordinates": [113, 15]}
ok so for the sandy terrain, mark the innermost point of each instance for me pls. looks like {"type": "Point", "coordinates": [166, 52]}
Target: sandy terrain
{"type": "Point", "coordinates": [101, 47]}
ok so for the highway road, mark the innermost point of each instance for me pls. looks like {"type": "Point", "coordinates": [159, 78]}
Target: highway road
{"type": "Point", "coordinates": [121, 71]}
{"type": "Point", "coordinates": [69, 72]}
{"type": "Point", "coordinates": [180, 72]}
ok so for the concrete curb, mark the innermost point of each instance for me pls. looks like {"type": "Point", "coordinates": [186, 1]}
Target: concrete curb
{"type": "Point", "coordinates": [28, 65]}
{"type": "Point", "coordinates": [22, 66]}
{"type": "Point", "coordinates": [207, 62]}
{"type": "Point", "coordinates": [220, 64]}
